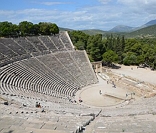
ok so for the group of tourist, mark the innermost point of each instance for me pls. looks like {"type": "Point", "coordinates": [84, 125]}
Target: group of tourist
{"type": "Point", "coordinates": [38, 105]}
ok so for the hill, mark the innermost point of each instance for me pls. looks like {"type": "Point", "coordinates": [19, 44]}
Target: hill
{"type": "Point", "coordinates": [149, 31]}
{"type": "Point", "coordinates": [150, 23]}
{"type": "Point", "coordinates": [122, 28]}
{"type": "Point", "coordinates": [104, 33]}
{"type": "Point", "coordinates": [94, 31]}
{"type": "Point", "coordinates": [146, 30]}
{"type": "Point", "coordinates": [65, 29]}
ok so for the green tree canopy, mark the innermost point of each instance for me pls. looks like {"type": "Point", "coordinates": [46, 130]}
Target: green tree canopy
{"type": "Point", "coordinates": [130, 59]}
{"type": "Point", "coordinates": [48, 28]}
{"type": "Point", "coordinates": [95, 47]}
{"type": "Point", "coordinates": [25, 28]}
{"type": "Point", "coordinates": [110, 56]}
{"type": "Point", "coordinates": [78, 37]}
{"type": "Point", "coordinates": [80, 45]}
{"type": "Point", "coordinates": [8, 29]}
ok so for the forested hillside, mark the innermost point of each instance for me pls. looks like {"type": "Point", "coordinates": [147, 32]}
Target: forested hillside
{"type": "Point", "coordinates": [149, 31]}
{"type": "Point", "coordinates": [116, 48]}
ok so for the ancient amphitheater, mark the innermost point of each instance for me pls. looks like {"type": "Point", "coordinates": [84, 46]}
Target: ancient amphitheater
{"type": "Point", "coordinates": [43, 80]}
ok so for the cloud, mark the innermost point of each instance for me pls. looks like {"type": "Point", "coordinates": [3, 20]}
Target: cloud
{"type": "Point", "coordinates": [52, 3]}
{"type": "Point", "coordinates": [144, 2]}
{"type": "Point", "coordinates": [49, 3]}
{"type": "Point", "coordinates": [99, 16]}
{"type": "Point", "coordinates": [104, 1]}
{"type": "Point", "coordinates": [145, 10]}
{"type": "Point", "coordinates": [95, 17]}
{"type": "Point", "coordinates": [148, 6]}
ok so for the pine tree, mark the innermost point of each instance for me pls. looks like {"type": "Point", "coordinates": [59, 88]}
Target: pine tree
{"type": "Point", "coordinates": [123, 43]}
{"type": "Point", "coordinates": [119, 49]}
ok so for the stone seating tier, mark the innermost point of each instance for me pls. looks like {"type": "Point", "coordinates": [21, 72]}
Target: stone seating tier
{"type": "Point", "coordinates": [43, 69]}
{"type": "Point", "coordinates": [15, 49]}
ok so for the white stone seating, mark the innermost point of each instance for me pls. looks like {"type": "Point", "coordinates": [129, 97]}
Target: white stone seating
{"type": "Point", "coordinates": [6, 51]}
{"type": "Point", "coordinates": [137, 124]}
{"type": "Point", "coordinates": [9, 43]}
{"type": "Point", "coordinates": [24, 79]}
{"type": "Point", "coordinates": [82, 61]}
{"type": "Point", "coordinates": [2, 57]}
{"type": "Point", "coordinates": [43, 71]}
{"type": "Point", "coordinates": [53, 63]}
{"type": "Point", "coordinates": [57, 42]}
{"type": "Point", "coordinates": [71, 66]}
{"type": "Point", "coordinates": [23, 42]}
{"type": "Point", "coordinates": [66, 40]}
{"type": "Point", "coordinates": [48, 42]}
{"type": "Point", "coordinates": [140, 107]}
{"type": "Point", "coordinates": [37, 43]}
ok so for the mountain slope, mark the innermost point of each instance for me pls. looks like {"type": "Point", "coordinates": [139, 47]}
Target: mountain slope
{"type": "Point", "coordinates": [94, 31]}
{"type": "Point", "coordinates": [152, 22]}
{"type": "Point", "coordinates": [122, 28]}
{"type": "Point", "coordinates": [149, 31]}
{"type": "Point", "coordinates": [146, 30]}
{"type": "Point", "coordinates": [65, 29]}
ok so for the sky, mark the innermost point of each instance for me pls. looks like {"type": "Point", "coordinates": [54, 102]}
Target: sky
{"type": "Point", "coordinates": [80, 14]}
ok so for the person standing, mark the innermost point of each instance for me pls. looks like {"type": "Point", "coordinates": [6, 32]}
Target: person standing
{"type": "Point", "coordinates": [100, 92]}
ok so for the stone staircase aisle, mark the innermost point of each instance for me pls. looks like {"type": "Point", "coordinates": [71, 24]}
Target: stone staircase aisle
{"type": "Point", "coordinates": [128, 124]}
{"type": "Point", "coordinates": [91, 127]}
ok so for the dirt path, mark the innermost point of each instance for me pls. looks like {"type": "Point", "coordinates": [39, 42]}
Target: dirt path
{"type": "Point", "coordinates": [142, 74]}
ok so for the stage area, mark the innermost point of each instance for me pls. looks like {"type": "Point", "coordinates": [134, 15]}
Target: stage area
{"type": "Point", "coordinates": [102, 94]}
{"type": "Point", "coordinates": [129, 79]}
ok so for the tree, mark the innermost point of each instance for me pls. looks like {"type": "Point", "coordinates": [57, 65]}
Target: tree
{"type": "Point", "coordinates": [128, 44]}
{"type": "Point", "coordinates": [136, 48]}
{"type": "Point", "coordinates": [119, 50]}
{"type": "Point", "coordinates": [109, 57]}
{"type": "Point", "coordinates": [123, 43]}
{"type": "Point", "coordinates": [44, 28]}
{"type": "Point", "coordinates": [109, 42]}
{"type": "Point", "coordinates": [53, 28]}
{"type": "Point", "coordinates": [95, 47]}
{"type": "Point", "coordinates": [48, 28]}
{"type": "Point", "coordinates": [80, 45]}
{"type": "Point", "coordinates": [140, 59]}
{"type": "Point", "coordinates": [77, 37]}
{"type": "Point", "coordinates": [15, 30]}
{"type": "Point", "coordinates": [26, 28]}
{"type": "Point", "coordinates": [36, 29]}
{"type": "Point", "coordinates": [130, 59]}
{"type": "Point", "coordinates": [95, 53]}
{"type": "Point", "coordinates": [6, 28]}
